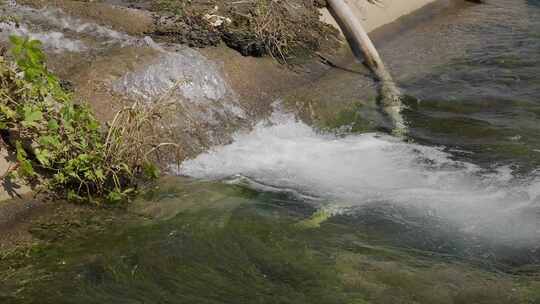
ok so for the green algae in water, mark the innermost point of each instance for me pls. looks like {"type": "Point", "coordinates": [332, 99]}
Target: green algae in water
{"type": "Point", "coordinates": [253, 251]}
{"type": "Point", "coordinates": [196, 257]}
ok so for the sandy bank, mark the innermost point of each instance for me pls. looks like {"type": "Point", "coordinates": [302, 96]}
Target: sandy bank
{"type": "Point", "coordinates": [374, 16]}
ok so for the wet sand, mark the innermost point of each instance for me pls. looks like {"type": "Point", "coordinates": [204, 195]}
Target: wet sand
{"type": "Point", "coordinates": [374, 16]}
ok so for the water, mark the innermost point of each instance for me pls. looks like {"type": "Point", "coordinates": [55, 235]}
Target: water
{"type": "Point", "coordinates": [466, 180]}
{"type": "Point", "coordinates": [288, 213]}
{"type": "Point", "coordinates": [188, 74]}
{"type": "Point", "coordinates": [53, 40]}
{"type": "Point", "coordinates": [51, 25]}
{"type": "Point", "coordinates": [480, 91]}
{"type": "Point", "coordinates": [369, 169]}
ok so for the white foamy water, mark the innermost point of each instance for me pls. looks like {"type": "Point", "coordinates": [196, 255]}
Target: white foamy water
{"type": "Point", "coordinates": [53, 18]}
{"type": "Point", "coordinates": [356, 170]}
{"type": "Point", "coordinates": [196, 80]}
{"type": "Point", "coordinates": [52, 40]}
{"type": "Point", "coordinates": [60, 19]}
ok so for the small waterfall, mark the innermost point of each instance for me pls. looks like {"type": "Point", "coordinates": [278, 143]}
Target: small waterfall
{"type": "Point", "coordinates": [52, 40]}
{"type": "Point", "coordinates": [194, 79]}
{"type": "Point", "coordinates": [65, 22]}
{"type": "Point", "coordinates": [32, 23]}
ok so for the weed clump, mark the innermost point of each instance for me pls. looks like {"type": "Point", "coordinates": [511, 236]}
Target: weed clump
{"type": "Point", "coordinates": [282, 29]}
{"type": "Point", "coordinates": [61, 145]}
{"type": "Point", "coordinates": [187, 28]}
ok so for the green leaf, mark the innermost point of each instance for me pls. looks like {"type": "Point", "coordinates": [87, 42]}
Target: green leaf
{"type": "Point", "coordinates": [60, 178]}
{"type": "Point", "coordinates": [115, 197]}
{"type": "Point", "coordinates": [7, 111]}
{"type": "Point", "coordinates": [21, 153]}
{"type": "Point", "coordinates": [53, 125]}
{"type": "Point", "coordinates": [16, 40]}
{"type": "Point", "coordinates": [151, 171]}
{"type": "Point", "coordinates": [49, 141]}
{"type": "Point", "coordinates": [31, 116]}
{"type": "Point", "coordinates": [35, 45]}
{"type": "Point", "coordinates": [26, 169]}
{"type": "Point", "coordinates": [99, 174]}
{"type": "Point", "coordinates": [43, 156]}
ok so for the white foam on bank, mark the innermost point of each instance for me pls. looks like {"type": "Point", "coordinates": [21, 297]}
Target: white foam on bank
{"type": "Point", "coordinates": [187, 73]}
{"type": "Point", "coordinates": [62, 22]}
{"type": "Point", "coordinates": [52, 40]}
{"type": "Point", "coordinates": [356, 170]}
{"type": "Point", "coordinates": [58, 18]}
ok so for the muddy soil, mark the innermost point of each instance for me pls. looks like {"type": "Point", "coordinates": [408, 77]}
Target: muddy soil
{"type": "Point", "coordinates": [284, 30]}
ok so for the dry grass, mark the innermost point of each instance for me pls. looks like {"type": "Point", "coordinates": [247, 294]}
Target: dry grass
{"type": "Point", "coordinates": [281, 29]}
{"type": "Point", "coordinates": [134, 135]}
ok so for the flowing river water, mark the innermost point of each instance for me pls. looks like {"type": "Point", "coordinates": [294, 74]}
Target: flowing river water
{"type": "Point", "coordinates": [288, 213]}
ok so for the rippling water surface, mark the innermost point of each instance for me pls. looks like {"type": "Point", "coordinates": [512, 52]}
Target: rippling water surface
{"type": "Point", "coordinates": [287, 213]}
{"type": "Point", "coordinates": [471, 163]}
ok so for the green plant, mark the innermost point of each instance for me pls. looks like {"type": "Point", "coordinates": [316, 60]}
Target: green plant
{"type": "Point", "coordinates": [61, 144]}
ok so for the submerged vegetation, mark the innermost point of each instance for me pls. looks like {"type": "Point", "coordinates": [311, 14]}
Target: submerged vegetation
{"type": "Point", "coordinates": [219, 243]}
{"type": "Point", "coordinates": [282, 29]}
{"type": "Point", "coordinates": [59, 144]}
